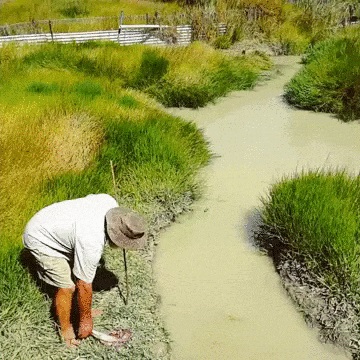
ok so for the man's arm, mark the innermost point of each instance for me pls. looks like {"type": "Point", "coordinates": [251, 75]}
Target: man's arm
{"type": "Point", "coordinates": [84, 301]}
{"type": "Point", "coordinates": [62, 302]}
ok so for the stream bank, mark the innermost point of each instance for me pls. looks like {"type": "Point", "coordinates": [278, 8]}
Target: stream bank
{"type": "Point", "coordinates": [221, 298]}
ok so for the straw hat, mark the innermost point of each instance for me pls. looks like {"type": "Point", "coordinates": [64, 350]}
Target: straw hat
{"type": "Point", "coordinates": [126, 228]}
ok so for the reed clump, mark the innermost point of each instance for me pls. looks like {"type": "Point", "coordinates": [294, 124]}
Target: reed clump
{"type": "Point", "coordinates": [315, 217]}
{"type": "Point", "coordinates": [291, 28]}
{"type": "Point", "coordinates": [329, 81]}
{"type": "Point", "coordinates": [310, 227]}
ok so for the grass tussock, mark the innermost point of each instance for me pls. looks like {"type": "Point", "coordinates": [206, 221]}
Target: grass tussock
{"type": "Point", "coordinates": [172, 75]}
{"type": "Point", "coordinates": [329, 81]}
{"type": "Point", "coordinates": [310, 228]}
{"type": "Point", "coordinates": [67, 112]}
{"type": "Point", "coordinates": [316, 217]}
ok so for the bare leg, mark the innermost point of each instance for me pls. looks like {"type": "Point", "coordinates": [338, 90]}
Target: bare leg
{"type": "Point", "coordinates": [62, 302]}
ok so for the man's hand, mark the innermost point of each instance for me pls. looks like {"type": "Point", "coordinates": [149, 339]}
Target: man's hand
{"type": "Point", "coordinates": [85, 328]}
{"type": "Point", "coordinates": [69, 337]}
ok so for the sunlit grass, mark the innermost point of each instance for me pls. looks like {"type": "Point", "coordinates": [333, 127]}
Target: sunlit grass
{"type": "Point", "coordinates": [58, 102]}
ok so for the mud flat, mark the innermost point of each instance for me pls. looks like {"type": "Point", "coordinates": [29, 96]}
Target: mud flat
{"type": "Point", "coordinates": [222, 299]}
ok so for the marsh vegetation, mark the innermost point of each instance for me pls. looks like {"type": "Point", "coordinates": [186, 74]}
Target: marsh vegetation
{"type": "Point", "coordinates": [67, 111]}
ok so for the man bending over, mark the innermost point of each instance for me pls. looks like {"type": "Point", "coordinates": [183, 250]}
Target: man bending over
{"type": "Point", "coordinates": [67, 240]}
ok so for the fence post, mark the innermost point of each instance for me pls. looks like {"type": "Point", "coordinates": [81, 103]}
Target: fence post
{"type": "Point", "coordinates": [156, 15]}
{"type": "Point", "coordinates": [121, 18]}
{"type": "Point", "coordinates": [51, 31]}
{"type": "Point", "coordinates": [147, 18]}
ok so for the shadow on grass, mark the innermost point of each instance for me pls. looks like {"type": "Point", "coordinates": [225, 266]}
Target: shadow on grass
{"type": "Point", "coordinates": [262, 239]}
{"type": "Point", "coordinates": [104, 280]}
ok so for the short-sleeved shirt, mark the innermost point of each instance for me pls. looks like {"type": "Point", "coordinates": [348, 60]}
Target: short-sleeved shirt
{"type": "Point", "coordinates": [72, 229]}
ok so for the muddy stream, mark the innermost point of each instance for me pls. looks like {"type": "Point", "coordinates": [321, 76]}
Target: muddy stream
{"type": "Point", "coordinates": [221, 299]}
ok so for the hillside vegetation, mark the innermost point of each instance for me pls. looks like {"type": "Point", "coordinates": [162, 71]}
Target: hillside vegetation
{"type": "Point", "coordinates": [16, 11]}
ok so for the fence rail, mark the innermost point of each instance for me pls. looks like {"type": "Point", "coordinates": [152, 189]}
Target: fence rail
{"type": "Point", "coordinates": [126, 35]}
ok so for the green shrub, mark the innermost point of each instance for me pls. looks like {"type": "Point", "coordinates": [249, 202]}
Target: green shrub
{"type": "Point", "coordinates": [330, 79]}
{"type": "Point", "coordinates": [88, 89]}
{"type": "Point", "coordinates": [128, 102]}
{"type": "Point", "coordinates": [223, 42]}
{"type": "Point", "coordinates": [291, 39]}
{"type": "Point", "coordinates": [153, 67]}
{"type": "Point", "coordinates": [75, 8]}
{"type": "Point", "coordinates": [316, 216]}
{"type": "Point", "coordinates": [42, 88]}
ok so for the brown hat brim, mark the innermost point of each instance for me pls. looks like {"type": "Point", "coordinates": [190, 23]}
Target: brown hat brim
{"type": "Point", "coordinates": [126, 228]}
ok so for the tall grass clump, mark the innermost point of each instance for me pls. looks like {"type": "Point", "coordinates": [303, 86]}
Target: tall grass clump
{"type": "Point", "coordinates": [330, 79]}
{"type": "Point", "coordinates": [315, 217]}
{"type": "Point", "coordinates": [302, 25]}
{"type": "Point", "coordinates": [191, 84]}
{"type": "Point", "coordinates": [173, 76]}
{"type": "Point", "coordinates": [150, 164]}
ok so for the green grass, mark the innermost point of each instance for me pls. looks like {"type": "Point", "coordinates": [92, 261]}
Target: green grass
{"type": "Point", "coordinates": [315, 216]}
{"type": "Point", "coordinates": [330, 79]}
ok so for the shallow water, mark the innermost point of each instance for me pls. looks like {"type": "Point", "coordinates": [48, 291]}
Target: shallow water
{"type": "Point", "coordinates": [221, 299]}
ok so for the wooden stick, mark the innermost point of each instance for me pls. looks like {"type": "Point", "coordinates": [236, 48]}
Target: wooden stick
{"type": "Point", "coordinates": [113, 177]}
{"type": "Point", "coordinates": [126, 278]}
{"type": "Point", "coordinates": [126, 299]}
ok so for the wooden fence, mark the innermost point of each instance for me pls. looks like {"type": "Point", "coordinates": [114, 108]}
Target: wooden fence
{"type": "Point", "coordinates": [129, 34]}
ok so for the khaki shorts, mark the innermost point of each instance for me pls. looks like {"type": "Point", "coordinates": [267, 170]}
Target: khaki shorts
{"type": "Point", "coordinates": [54, 271]}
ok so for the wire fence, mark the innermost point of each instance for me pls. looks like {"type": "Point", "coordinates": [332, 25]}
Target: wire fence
{"type": "Point", "coordinates": [125, 35]}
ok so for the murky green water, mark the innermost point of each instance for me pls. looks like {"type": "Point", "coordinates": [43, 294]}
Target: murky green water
{"type": "Point", "coordinates": [221, 299]}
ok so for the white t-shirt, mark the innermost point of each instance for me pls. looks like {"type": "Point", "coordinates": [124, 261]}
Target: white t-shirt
{"type": "Point", "coordinates": [72, 229]}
